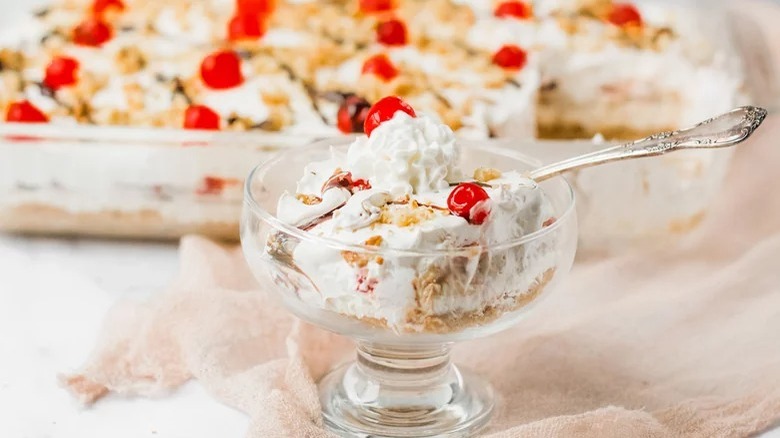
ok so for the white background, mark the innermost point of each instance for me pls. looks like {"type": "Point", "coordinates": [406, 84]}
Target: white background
{"type": "Point", "coordinates": [53, 295]}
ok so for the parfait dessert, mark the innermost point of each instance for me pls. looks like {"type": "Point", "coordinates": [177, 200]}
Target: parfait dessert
{"type": "Point", "coordinates": [401, 189]}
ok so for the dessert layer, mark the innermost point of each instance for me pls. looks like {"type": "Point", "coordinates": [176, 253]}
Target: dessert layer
{"type": "Point", "coordinates": [142, 224]}
{"type": "Point", "coordinates": [402, 188]}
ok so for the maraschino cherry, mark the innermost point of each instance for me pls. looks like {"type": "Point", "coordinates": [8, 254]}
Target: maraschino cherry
{"type": "Point", "coordinates": [375, 6]}
{"type": "Point", "coordinates": [259, 8]}
{"type": "Point", "coordinates": [380, 66]}
{"type": "Point", "coordinates": [467, 200]}
{"type": "Point", "coordinates": [513, 9]}
{"type": "Point", "coordinates": [352, 114]}
{"type": "Point", "coordinates": [101, 6]}
{"type": "Point", "coordinates": [510, 57]}
{"type": "Point", "coordinates": [391, 33]}
{"type": "Point", "coordinates": [221, 70]}
{"type": "Point", "coordinates": [201, 117]}
{"type": "Point", "coordinates": [61, 72]}
{"type": "Point", "coordinates": [384, 110]}
{"type": "Point", "coordinates": [245, 26]}
{"type": "Point", "coordinates": [93, 32]}
{"type": "Point", "coordinates": [624, 14]}
{"type": "Point", "coordinates": [25, 112]}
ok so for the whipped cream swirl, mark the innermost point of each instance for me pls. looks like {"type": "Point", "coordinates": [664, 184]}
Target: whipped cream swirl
{"type": "Point", "coordinates": [406, 155]}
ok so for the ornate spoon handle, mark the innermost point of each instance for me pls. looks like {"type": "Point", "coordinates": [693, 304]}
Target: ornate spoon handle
{"type": "Point", "coordinates": [724, 130]}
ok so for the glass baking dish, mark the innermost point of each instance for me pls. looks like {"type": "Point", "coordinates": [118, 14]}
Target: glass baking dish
{"type": "Point", "coordinates": [163, 183]}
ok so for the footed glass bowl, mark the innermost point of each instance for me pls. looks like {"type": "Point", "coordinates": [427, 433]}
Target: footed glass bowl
{"type": "Point", "coordinates": [403, 383]}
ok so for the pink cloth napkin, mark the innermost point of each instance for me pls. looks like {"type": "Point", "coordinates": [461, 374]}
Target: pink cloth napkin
{"type": "Point", "coordinates": [681, 341]}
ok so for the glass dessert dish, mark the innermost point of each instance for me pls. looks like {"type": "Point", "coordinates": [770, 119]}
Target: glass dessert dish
{"type": "Point", "coordinates": [405, 320]}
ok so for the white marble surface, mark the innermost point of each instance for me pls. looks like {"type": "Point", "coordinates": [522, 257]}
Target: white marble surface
{"type": "Point", "coordinates": [53, 295]}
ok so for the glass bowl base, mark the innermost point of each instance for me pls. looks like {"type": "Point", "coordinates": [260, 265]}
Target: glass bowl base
{"type": "Point", "coordinates": [391, 393]}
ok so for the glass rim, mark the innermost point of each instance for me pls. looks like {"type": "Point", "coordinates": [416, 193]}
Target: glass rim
{"type": "Point", "coordinates": [298, 233]}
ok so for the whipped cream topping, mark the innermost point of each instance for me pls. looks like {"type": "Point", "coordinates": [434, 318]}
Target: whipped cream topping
{"type": "Point", "coordinates": [405, 168]}
{"type": "Point", "coordinates": [406, 155]}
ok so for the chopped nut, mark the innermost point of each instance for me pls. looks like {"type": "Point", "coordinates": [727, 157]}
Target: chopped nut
{"type": "Point", "coordinates": [183, 90]}
{"type": "Point", "coordinates": [661, 38]}
{"type": "Point", "coordinates": [278, 118]}
{"type": "Point", "coordinates": [264, 64]}
{"type": "Point", "coordinates": [11, 81]}
{"type": "Point", "coordinates": [568, 24]}
{"type": "Point", "coordinates": [485, 174]}
{"type": "Point", "coordinates": [237, 123]}
{"type": "Point", "coordinates": [135, 96]}
{"type": "Point", "coordinates": [171, 117]}
{"type": "Point", "coordinates": [55, 39]}
{"type": "Point", "coordinates": [82, 112]}
{"type": "Point", "coordinates": [354, 259]}
{"type": "Point", "coordinates": [11, 59]}
{"type": "Point", "coordinates": [89, 83]}
{"type": "Point", "coordinates": [276, 97]}
{"type": "Point", "coordinates": [308, 199]}
{"type": "Point", "coordinates": [406, 215]}
{"type": "Point", "coordinates": [374, 240]}
{"type": "Point", "coordinates": [130, 59]}
{"type": "Point", "coordinates": [596, 8]}
{"type": "Point", "coordinates": [110, 117]}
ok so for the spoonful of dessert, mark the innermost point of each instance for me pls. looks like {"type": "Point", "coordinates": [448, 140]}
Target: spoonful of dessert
{"type": "Point", "coordinates": [725, 130]}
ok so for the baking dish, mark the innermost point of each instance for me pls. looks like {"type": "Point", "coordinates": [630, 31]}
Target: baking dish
{"type": "Point", "coordinates": [162, 183]}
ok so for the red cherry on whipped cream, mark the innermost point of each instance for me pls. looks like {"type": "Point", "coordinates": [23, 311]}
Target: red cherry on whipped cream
{"type": "Point", "coordinates": [92, 32]}
{"type": "Point", "coordinates": [245, 26]}
{"type": "Point", "coordinates": [467, 200]}
{"type": "Point", "coordinates": [256, 7]}
{"type": "Point", "coordinates": [221, 70]}
{"type": "Point", "coordinates": [384, 110]}
{"type": "Point", "coordinates": [624, 14]}
{"type": "Point", "coordinates": [380, 66]}
{"type": "Point", "coordinates": [391, 32]}
{"type": "Point", "coordinates": [513, 9]}
{"type": "Point", "coordinates": [352, 114]}
{"type": "Point", "coordinates": [101, 6]}
{"type": "Point", "coordinates": [25, 112]}
{"type": "Point", "coordinates": [510, 57]}
{"type": "Point", "coordinates": [374, 6]}
{"type": "Point", "coordinates": [61, 72]}
{"type": "Point", "coordinates": [201, 117]}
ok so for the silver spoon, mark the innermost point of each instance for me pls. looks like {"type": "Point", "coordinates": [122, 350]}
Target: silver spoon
{"type": "Point", "coordinates": [727, 129]}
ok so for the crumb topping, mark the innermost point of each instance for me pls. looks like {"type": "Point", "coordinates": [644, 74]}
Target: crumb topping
{"type": "Point", "coordinates": [147, 73]}
{"type": "Point", "coordinates": [409, 214]}
{"type": "Point", "coordinates": [485, 174]}
{"type": "Point", "coordinates": [308, 199]}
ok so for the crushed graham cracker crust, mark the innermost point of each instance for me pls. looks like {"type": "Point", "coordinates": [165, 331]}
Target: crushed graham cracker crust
{"type": "Point", "coordinates": [419, 322]}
